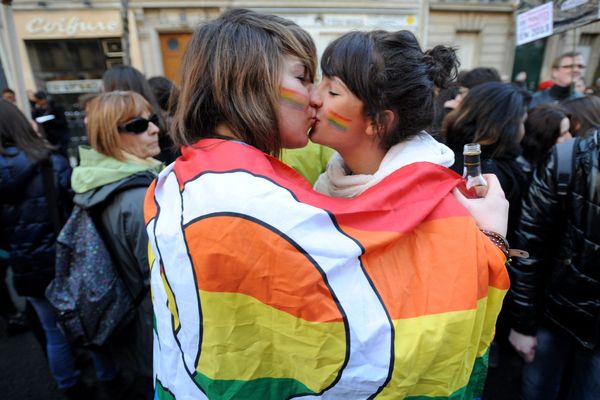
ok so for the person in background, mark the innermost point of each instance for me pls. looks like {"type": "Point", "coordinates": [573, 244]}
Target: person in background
{"type": "Point", "coordinates": [440, 110]}
{"type": "Point", "coordinates": [28, 231]}
{"type": "Point", "coordinates": [493, 115]}
{"type": "Point", "coordinates": [554, 299]}
{"type": "Point", "coordinates": [51, 120]}
{"type": "Point", "coordinates": [9, 95]}
{"type": "Point", "coordinates": [166, 94]}
{"type": "Point", "coordinates": [580, 86]}
{"type": "Point", "coordinates": [584, 113]}
{"type": "Point", "coordinates": [112, 179]}
{"type": "Point", "coordinates": [566, 69]}
{"type": "Point", "coordinates": [546, 125]}
{"type": "Point", "coordinates": [467, 80]}
{"type": "Point", "coordinates": [125, 77]}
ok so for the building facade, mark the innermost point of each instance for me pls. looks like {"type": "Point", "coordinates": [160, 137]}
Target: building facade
{"type": "Point", "coordinates": [65, 46]}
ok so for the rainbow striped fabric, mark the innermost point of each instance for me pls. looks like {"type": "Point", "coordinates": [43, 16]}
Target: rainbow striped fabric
{"type": "Point", "coordinates": [264, 289]}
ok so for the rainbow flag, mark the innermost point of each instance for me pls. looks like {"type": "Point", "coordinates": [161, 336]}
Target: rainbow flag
{"type": "Point", "coordinates": [264, 289]}
{"type": "Point", "coordinates": [337, 121]}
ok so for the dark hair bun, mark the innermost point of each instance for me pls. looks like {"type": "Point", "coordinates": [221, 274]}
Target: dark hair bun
{"type": "Point", "coordinates": [443, 65]}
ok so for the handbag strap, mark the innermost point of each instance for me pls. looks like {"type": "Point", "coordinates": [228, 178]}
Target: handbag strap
{"type": "Point", "coordinates": [51, 194]}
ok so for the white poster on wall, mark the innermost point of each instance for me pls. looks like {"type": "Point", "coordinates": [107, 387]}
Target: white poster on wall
{"type": "Point", "coordinates": [534, 24]}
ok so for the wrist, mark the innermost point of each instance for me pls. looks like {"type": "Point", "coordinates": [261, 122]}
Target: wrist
{"type": "Point", "coordinates": [501, 242]}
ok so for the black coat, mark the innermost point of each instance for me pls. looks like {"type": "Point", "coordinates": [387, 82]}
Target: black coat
{"type": "Point", "coordinates": [560, 282]}
{"type": "Point", "coordinates": [512, 180]}
{"type": "Point", "coordinates": [26, 230]}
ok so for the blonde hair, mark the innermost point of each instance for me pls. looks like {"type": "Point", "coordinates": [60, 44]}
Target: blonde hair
{"type": "Point", "coordinates": [231, 73]}
{"type": "Point", "coordinates": [105, 112]}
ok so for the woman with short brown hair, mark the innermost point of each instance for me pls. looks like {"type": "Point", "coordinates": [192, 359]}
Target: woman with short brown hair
{"type": "Point", "coordinates": [110, 183]}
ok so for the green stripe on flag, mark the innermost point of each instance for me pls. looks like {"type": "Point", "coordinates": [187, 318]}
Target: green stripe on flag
{"type": "Point", "coordinates": [473, 390]}
{"type": "Point", "coordinates": [256, 389]}
{"type": "Point", "coordinates": [160, 393]}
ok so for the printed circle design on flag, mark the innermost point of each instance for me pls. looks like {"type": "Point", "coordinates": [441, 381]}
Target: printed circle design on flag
{"type": "Point", "coordinates": [290, 311]}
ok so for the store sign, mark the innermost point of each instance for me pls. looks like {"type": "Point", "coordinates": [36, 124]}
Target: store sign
{"type": "Point", "coordinates": [353, 21]}
{"type": "Point", "coordinates": [75, 86]}
{"type": "Point", "coordinates": [534, 24]}
{"type": "Point", "coordinates": [70, 26]}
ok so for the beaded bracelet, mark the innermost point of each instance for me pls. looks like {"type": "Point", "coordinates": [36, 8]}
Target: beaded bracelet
{"type": "Point", "coordinates": [501, 242]}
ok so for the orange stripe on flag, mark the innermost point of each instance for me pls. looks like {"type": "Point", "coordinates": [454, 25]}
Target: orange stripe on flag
{"type": "Point", "coordinates": [431, 269]}
{"type": "Point", "coordinates": [246, 257]}
{"type": "Point", "coordinates": [150, 208]}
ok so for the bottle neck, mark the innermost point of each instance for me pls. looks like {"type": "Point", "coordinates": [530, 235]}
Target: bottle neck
{"type": "Point", "coordinates": [472, 165]}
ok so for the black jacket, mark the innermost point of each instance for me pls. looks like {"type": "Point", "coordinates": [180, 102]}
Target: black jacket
{"type": "Point", "coordinates": [26, 230]}
{"type": "Point", "coordinates": [511, 177]}
{"type": "Point", "coordinates": [560, 282]}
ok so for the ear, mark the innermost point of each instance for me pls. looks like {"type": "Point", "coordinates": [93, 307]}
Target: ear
{"type": "Point", "coordinates": [387, 117]}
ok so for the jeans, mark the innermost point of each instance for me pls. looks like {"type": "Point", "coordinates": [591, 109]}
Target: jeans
{"type": "Point", "coordinates": [60, 355]}
{"type": "Point", "coordinates": [555, 349]}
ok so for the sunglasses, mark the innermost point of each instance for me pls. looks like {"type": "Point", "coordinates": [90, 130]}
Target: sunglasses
{"type": "Point", "coordinates": [138, 125]}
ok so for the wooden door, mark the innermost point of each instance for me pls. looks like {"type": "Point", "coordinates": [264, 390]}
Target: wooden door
{"type": "Point", "coordinates": [172, 47]}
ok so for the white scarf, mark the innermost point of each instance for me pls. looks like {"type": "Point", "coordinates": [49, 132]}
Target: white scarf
{"type": "Point", "coordinates": [336, 182]}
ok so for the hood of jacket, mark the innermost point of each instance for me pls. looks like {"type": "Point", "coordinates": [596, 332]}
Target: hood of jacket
{"type": "Point", "coordinates": [96, 169]}
{"type": "Point", "coordinates": [98, 175]}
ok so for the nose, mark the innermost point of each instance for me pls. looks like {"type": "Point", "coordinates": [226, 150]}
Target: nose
{"type": "Point", "coordinates": [152, 128]}
{"type": "Point", "coordinates": [315, 99]}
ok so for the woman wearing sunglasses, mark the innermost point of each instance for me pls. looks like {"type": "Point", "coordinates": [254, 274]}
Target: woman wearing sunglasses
{"type": "Point", "coordinates": [111, 182]}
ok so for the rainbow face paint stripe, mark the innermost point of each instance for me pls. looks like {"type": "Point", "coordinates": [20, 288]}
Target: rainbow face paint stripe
{"type": "Point", "coordinates": [338, 122]}
{"type": "Point", "coordinates": [293, 99]}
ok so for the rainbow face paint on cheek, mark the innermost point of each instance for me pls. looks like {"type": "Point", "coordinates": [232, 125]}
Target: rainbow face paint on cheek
{"type": "Point", "coordinates": [337, 122]}
{"type": "Point", "coordinates": [293, 99]}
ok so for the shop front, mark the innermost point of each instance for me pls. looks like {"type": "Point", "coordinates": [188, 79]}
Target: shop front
{"type": "Point", "coordinates": [65, 52]}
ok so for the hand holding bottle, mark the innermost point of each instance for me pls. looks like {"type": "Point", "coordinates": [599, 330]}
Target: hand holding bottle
{"type": "Point", "coordinates": [490, 212]}
{"type": "Point", "coordinates": [473, 185]}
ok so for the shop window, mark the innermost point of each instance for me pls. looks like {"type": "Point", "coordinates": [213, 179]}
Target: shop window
{"type": "Point", "coordinates": [66, 59]}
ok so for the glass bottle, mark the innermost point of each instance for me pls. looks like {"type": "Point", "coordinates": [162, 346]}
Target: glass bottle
{"type": "Point", "coordinates": [474, 184]}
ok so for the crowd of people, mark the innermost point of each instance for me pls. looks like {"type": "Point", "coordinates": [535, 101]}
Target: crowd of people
{"type": "Point", "coordinates": [361, 271]}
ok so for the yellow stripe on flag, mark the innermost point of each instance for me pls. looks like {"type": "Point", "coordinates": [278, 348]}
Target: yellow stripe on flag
{"type": "Point", "coordinates": [244, 339]}
{"type": "Point", "coordinates": [171, 304]}
{"type": "Point", "coordinates": [424, 366]}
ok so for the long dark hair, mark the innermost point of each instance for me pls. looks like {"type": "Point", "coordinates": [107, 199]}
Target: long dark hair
{"type": "Point", "coordinates": [542, 129]}
{"type": "Point", "coordinates": [490, 115]}
{"type": "Point", "coordinates": [389, 71]}
{"type": "Point", "coordinates": [16, 130]}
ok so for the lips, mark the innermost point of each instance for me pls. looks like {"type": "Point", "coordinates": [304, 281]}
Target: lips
{"type": "Point", "coordinates": [315, 123]}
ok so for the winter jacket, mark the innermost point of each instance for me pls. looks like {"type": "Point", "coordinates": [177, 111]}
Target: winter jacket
{"type": "Point", "coordinates": [560, 282]}
{"type": "Point", "coordinates": [552, 96]}
{"type": "Point", "coordinates": [113, 191]}
{"type": "Point", "coordinates": [26, 228]}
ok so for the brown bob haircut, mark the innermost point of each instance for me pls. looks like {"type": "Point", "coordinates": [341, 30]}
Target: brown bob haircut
{"type": "Point", "coordinates": [105, 112]}
{"type": "Point", "coordinates": [231, 73]}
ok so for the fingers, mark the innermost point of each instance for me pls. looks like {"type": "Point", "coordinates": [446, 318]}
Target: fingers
{"type": "Point", "coordinates": [494, 185]}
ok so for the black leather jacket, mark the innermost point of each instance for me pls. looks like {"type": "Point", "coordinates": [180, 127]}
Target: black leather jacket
{"type": "Point", "coordinates": [560, 282]}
